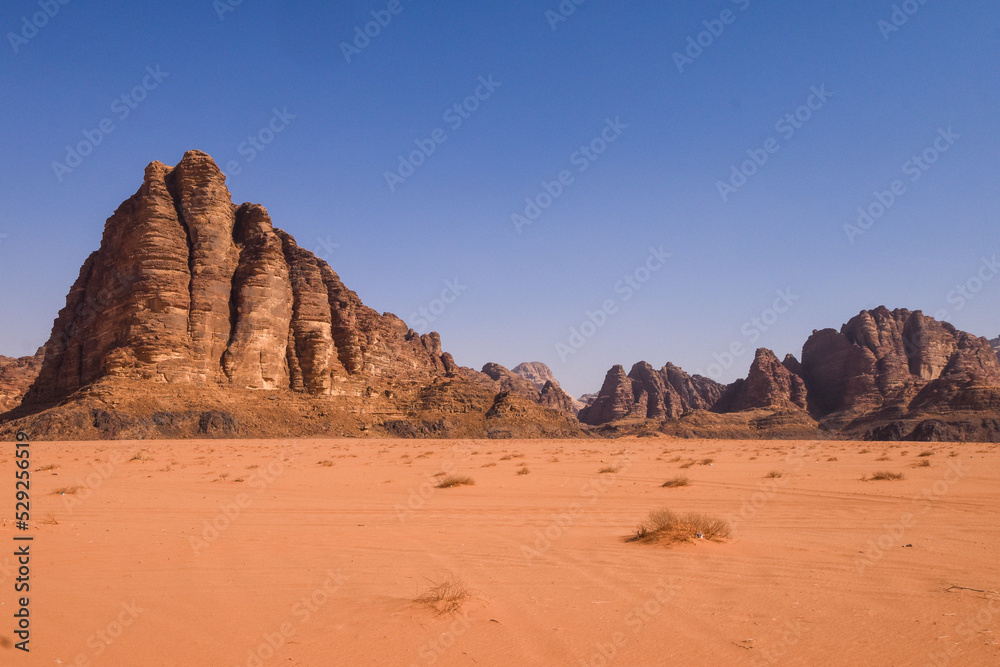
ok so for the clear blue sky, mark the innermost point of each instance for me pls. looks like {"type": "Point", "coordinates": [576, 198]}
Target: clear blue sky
{"type": "Point", "coordinates": [323, 176]}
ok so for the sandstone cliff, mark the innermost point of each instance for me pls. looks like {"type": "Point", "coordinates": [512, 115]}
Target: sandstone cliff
{"type": "Point", "coordinates": [198, 316]}
{"type": "Point", "coordinates": [16, 375]}
{"type": "Point", "coordinates": [646, 393]}
{"type": "Point", "coordinates": [770, 385]}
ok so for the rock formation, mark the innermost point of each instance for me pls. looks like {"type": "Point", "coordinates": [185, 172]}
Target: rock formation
{"type": "Point", "coordinates": [897, 360]}
{"type": "Point", "coordinates": [551, 393]}
{"type": "Point", "coordinates": [16, 375]}
{"type": "Point", "coordinates": [770, 385]}
{"type": "Point", "coordinates": [646, 393]}
{"type": "Point", "coordinates": [995, 343]}
{"type": "Point", "coordinates": [188, 288]}
{"type": "Point", "coordinates": [197, 316]}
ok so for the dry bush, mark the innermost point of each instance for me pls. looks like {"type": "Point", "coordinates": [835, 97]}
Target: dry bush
{"type": "Point", "coordinates": [832, 458]}
{"type": "Point", "coordinates": [455, 480]}
{"type": "Point", "coordinates": [491, 464]}
{"type": "Point", "coordinates": [926, 452]}
{"type": "Point", "coordinates": [680, 480]}
{"type": "Point", "coordinates": [884, 457]}
{"type": "Point", "coordinates": [665, 525]}
{"type": "Point", "coordinates": [326, 464]}
{"type": "Point", "coordinates": [141, 455]}
{"type": "Point", "coordinates": [609, 469]}
{"type": "Point", "coordinates": [446, 597]}
{"type": "Point", "coordinates": [923, 463]}
{"type": "Point", "coordinates": [884, 475]}
{"type": "Point", "coordinates": [774, 474]}
{"type": "Point", "coordinates": [707, 462]}
{"type": "Point", "coordinates": [686, 465]}
{"type": "Point", "coordinates": [51, 466]}
{"type": "Point", "coordinates": [523, 471]}
{"type": "Point", "coordinates": [66, 491]}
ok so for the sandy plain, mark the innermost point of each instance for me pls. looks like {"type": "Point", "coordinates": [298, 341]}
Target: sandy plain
{"type": "Point", "coordinates": [316, 552]}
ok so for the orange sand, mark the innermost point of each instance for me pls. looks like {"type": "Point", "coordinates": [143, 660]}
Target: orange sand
{"type": "Point", "coordinates": [324, 561]}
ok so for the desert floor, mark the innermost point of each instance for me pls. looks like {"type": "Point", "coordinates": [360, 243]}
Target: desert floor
{"type": "Point", "coordinates": [316, 552]}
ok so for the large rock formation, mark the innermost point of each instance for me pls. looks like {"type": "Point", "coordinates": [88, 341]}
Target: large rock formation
{"type": "Point", "coordinates": [188, 288]}
{"type": "Point", "coordinates": [769, 386]}
{"type": "Point", "coordinates": [548, 393]}
{"type": "Point", "coordinates": [646, 393]}
{"type": "Point", "coordinates": [551, 393]}
{"type": "Point", "coordinates": [897, 361]}
{"type": "Point", "coordinates": [16, 375]}
{"type": "Point", "coordinates": [198, 317]}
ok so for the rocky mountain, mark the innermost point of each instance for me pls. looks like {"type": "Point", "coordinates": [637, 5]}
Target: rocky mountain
{"type": "Point", "coordinates": [541, 376]}
{"type": "Point", "coordinates": [646, 393]}
{"type": "Point", "coordinates": [16, 375]}
{"type": "Point", "coordinates": [770, 385]}
{"type": "Point", "coordinates": [885, 375]}
{"type": "Point", "coordinates": [549, 394]}
{"type": "Point", "coordinates": [995, 343]}
{"type": "Point", "coordinates": [193, 296]}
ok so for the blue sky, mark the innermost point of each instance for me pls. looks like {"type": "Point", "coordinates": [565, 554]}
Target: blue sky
{"type": "Point", "coordinates": [555, 84]}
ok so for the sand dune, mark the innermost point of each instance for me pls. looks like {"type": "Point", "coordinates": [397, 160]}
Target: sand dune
{"type": "Point", "coordinates": [313, 552]}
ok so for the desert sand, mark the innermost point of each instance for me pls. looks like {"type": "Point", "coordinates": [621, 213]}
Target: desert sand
{"type": "Point", "coordinates": [315, 552]}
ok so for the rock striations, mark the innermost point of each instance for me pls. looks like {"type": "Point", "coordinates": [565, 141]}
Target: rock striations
{"type": "Point", "coordinates": [885, 374]}
{"type": "Point", "coordinates": [196, 316]}
{"type": "Point", "coordinates": [190, 292]}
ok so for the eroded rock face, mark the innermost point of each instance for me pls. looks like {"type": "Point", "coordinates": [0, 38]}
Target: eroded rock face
{"type": "Point", "coordinates": [188, 288]}
{"type": "Point", "coordinates": [896, 359]}
{"type": "Point", "coordinates": [549, 394]}
{"type": "Point", "coordinates": [769, 385]}
{"type": "Point", "coordinates": [540, 375]}
{"type": "Point", "coordinates": [995, 343]}
{"type": "Point", "coordinates": [16, 375]}
{"type": "Point", "coordinates": [647, 393]}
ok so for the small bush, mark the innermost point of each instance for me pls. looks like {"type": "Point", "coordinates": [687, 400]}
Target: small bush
{"type": "Point", "coordinates": [774, 474]}
{"type": "Point", "coordinates": [707, 462]}
{"type": "Point", "coordinates": [664, 525]}
{"type": "Point", "coordinates": [523, 471]}
{"type": "Point", "coordinates": [609, 469]}
{"type": "Point", "coordinates": [680, 480]}
{"type": "Point", "coordinates": [923, 463]}
{"type": "Point", "coordinates": [326, 464]}
{"type": "Point", "coordinates": [455, 480]}
{"type": "Point", "coordinates": [686, 465]}
{"type": "Point", "coordinates": [926, 453]}
{"type": "Point", "coordinates": [141, 455]}
{"type": "Point", "coordinates": [66, 490]}
{"type": "Point", "coordinates": [446, 597]}
{"type": "Point", "coordinates": [884, 475]}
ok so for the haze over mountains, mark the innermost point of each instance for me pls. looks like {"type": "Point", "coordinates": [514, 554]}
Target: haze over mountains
{"type": "Point", "coordinates": [198, 317]}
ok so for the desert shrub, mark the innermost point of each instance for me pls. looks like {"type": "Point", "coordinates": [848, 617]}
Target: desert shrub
{"type": "Point", "coordinates": [668, 526]}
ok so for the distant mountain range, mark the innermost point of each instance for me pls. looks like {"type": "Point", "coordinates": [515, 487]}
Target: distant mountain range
{"type": "Point", "coordinates": [198, 317]}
